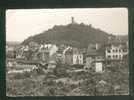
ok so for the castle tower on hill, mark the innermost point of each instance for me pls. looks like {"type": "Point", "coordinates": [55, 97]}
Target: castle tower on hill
{"type": "Point", "coordinates": [72, 20]}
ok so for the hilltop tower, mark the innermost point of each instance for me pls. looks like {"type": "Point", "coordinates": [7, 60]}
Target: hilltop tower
{"type": "Point", "coordinates": [72, 20]}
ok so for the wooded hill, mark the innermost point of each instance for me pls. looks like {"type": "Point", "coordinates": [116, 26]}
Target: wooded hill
{"type": "Point", "coordinates": [79, 35]}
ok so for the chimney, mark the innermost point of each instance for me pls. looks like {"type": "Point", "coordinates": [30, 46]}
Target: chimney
{"type": "Point", "coordinates": [96, 46]}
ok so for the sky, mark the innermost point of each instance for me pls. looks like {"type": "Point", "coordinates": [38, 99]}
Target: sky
{"type": "Point", "coordinates": [22, 23]}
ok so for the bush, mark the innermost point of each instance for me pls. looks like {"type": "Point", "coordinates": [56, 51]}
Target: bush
{"type": "Point", "coordinates": [19, 76]}
{"type": "Point", "coordinates": [27, 74]}
{"type": "Point", "coordinates": [60, 72]}
{"type": "Point", "coordinates": [40, 71]}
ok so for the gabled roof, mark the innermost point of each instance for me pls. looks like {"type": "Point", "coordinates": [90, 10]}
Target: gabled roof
{"type": "Point", "coordinates": [70, 51]}
{"type": "Point", "coordinates": [59, 51]}
{"type": "Point", "coordinates": [116, 42]}
{"type": "Point", "coordinates": [91, 52]}
{"type": "Point", "coordinates": [101, 51]}
{"type": "Point", "coordinates": [78, 51]}
{"type": "Point", "coordinates": [118, 45]}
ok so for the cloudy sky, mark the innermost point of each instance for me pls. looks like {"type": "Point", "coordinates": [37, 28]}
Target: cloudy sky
{"type": "Point", "coordinates": [21, 23]}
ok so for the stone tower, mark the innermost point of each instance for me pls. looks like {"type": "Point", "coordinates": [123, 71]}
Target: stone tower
{"type": "Point", "coordinates": [72, 20]}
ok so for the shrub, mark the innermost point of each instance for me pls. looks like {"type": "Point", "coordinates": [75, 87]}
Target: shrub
{"type": "Point", "coordinates": [18, 76]}
{"type": "Point", "coordinates": [60, 72]}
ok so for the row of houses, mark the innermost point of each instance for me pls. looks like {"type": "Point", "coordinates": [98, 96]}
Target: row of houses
{"type": "Point", "coordinates": [95, 55]}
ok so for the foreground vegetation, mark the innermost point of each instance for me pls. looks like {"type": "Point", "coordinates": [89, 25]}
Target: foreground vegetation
{"type": "Point", "coordinates": [61, 82]}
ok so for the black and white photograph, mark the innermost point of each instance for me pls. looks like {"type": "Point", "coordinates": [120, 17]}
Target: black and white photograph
{"type": "Point", "coordinates": [67, 52]}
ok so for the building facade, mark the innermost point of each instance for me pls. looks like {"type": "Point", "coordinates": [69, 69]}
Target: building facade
{"type": "Point", "coordinates": [77, 56]}
{"type": "Point", "coordinates": [115, 52]}
{"type": "Point", "coordinates": [68, 57]}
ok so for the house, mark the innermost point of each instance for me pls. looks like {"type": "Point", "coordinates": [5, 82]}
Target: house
{"type": "Point", "coordinates": [69, 57]}
{"type": "Point", "coordinates": [53, 49]}
{"type": "Point", "coordinates": [94, 59]}
{"type": "Point", "coordinates": [116, 51]}
{"type": "Point", "coordinates": [33, 46]}
{"type": "Point", "coordinates": [90, 57]}
{"type": "Point", "coordinates": [77, 56]}
{"type": "Point", "coordinates": [45, 51]}
{"type": "Point", "coordinates": [95, 46]}
{"type": "Point", "coordinates": [43, 54]}
{"type": "Point", "coordinates": [10, 51]}
{"type": "Point", "coordinates": [20, 51]}
{"type": "Point", "coordinates": [73, 56]}
{"type": "Point", "coordinates": [99, 67]}
{"type": "Point", "coordinates": [51, 65]}
{"type": "Point", "coordinates": [59, 56]}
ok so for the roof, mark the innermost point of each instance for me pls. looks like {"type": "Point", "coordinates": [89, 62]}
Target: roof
{"type": "Point", "coordinates": [69, 51]}
{"type": "Point", "coordinates": [118, 45]}
{"type": "Point", "coordinates": [116, 42]}
{"type": "Point", "coordinates": [101, 51]}
{"type": "Point", "coordinates": [60, 51]}
{"type": "Point", "coordinates": [91, 51]}
{"type": "Point", "coordinates": [79, 51]}
{"type": "Point", "coordinates": [102, 82]}
{"type": "Point", "coordinates": [52, 62]}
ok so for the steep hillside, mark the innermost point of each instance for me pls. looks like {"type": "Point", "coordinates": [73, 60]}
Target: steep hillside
{"type": "Point", "coordinates": [79, 35]}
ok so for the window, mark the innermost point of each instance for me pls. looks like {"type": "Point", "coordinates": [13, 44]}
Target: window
{"type": "Point", "coordinates": [75, 57]}
{"type": "Point", "coordinates": [116, 56]}
{"type": "Point", "coordinates": [119, 50]}
{"type": "Point", "coordinates": [124, 50]}
{"type": "Point", "coordinates": [108, 51]}
{"type": "Point", "coordinates": [120, 56]}
{"type": "Point", "coordinates": [109, 56]}
{"type": "Point", "coordinates": [116, 50]}
{"type": "Point", "coordinates": [80, 56]}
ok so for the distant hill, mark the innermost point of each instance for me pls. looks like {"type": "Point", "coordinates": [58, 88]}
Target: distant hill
{"type": "Point", "coordinates": [12, 43]}
{"type": "Point", "coordinates": [79, 35]}
{"type": "Point", "coordinates": [124, 38]}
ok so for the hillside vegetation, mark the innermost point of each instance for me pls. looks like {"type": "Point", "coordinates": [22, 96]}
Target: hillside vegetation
{"type": "Point", "coordinates": [79, 35]}
{"type": "Point", "coordinates": [71, 34]}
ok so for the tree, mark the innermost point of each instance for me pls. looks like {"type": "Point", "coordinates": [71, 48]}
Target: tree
{"type": "Point", "coordinates": [28, 54]}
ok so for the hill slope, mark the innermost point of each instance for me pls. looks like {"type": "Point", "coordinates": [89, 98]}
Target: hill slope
{"type": "Point", "coordinates": [79, 35]}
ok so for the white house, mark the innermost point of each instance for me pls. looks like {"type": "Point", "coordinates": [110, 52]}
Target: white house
{"type": "Point", "coordinates": [53, 50]}
{"type": "Point", "coordinates": [115, 52]}
{"type": "Point", "coordinates": [77, 56]}
{"type": "Point", "coordinates": [98, 67]}
{"type": "Point", "coordinates": [47, 51]}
